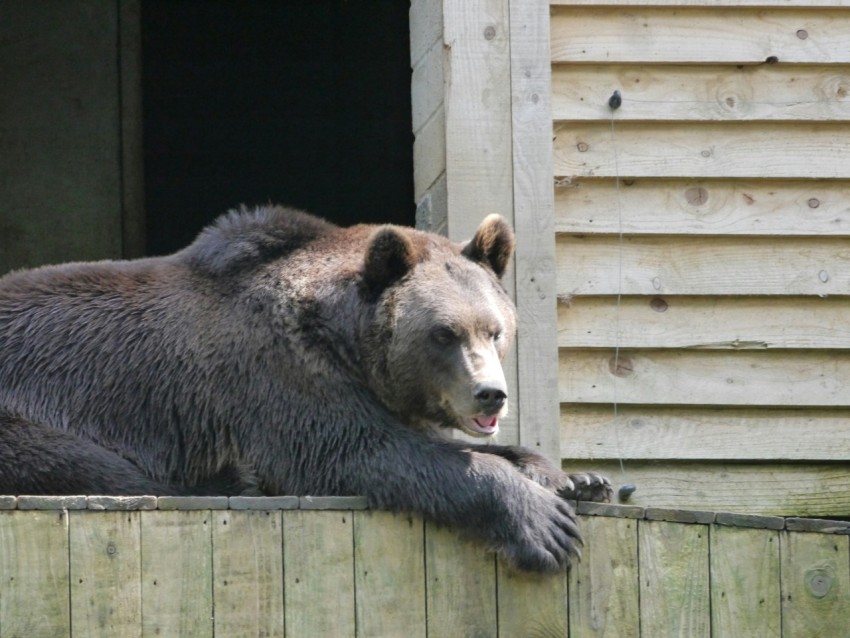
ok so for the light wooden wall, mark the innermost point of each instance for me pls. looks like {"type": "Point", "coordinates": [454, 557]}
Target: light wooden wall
{"type": "Point", "coordinates": [703, 267]}
{"type": "Point", "coordinates": [483, 144]}
{"type": "Point", "coordinates": [195, 567]}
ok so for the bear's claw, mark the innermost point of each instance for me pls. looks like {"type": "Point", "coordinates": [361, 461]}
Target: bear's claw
{"type": "Point", "coordinates": [587, 486]}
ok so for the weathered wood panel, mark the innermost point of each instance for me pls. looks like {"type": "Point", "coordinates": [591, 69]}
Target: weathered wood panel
{"type": "Point", "coordinates": [529, 605]}
{"type": "Point", "coordinates": [604, 585]}
{"type": "Point", "coordinates": [34, 574]}
{"type": "Point", "coordinates": [105, 570]}
{"type": "Point", "coordinates": [812, 489]}
{"type": "Point", "coordinates": [247, 573]}
{"type": "Point", "coordinates": [533, 222]}
{"type": "Point", "coordinates": [389, 575]}
{"type": "Point", "coordinates": [637, 576]}
{"type": "Point", "coordinates": [745, 594]}
{"type": "Point", "coordinates": [594, 265]}
{"type": "Point", "coordinates": [706, 323]}
{"type": "Point", "coordinates": [177, 573]}
{"type": "Point", "coordinates": [705, 377]}
{"type": "Point", "coordinates": [704, 207]}
{"type": "Point", "coordinates": [674, 579]}
{"type": "Point", "coordinates": [461, 586]}
{"type": "Point", "coordinates": [698, 35]}
{"type": "Point", "coordinates": [701, 93]}
{"type": "Point", "coordinates": [698, 434]}
{"type": "Point", "coordinates": [319, 573]}
{"type": "Point", "coordinates": [769, 150]}
{"type": "Point", "coordinates": [815, 585]}
{"type": "Point", "coordinates": [773, 4]}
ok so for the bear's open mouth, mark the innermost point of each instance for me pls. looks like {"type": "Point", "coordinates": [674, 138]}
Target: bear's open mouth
{"type": "Point", "coordinates": [482, 425]}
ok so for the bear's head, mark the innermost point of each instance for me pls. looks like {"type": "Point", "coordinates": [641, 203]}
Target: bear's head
{"type": "Point", "coordinates": [441, 327]}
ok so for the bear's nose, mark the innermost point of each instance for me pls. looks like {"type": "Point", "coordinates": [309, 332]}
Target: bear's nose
{"type": "Point", "coordinates": [491, 399]}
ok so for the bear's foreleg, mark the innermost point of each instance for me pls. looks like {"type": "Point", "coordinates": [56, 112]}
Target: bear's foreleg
{"type": "Point", "coordinates": [480, 494]}
{"type": "Point", "coordinates": [579, 486]}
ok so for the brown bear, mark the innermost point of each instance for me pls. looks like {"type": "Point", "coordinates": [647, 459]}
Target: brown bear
{"type": "Point", "coordinates": [280, 354]}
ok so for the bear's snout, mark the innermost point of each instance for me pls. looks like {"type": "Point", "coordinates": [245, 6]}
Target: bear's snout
{"type": "Point", "coordinates": [490, 397]}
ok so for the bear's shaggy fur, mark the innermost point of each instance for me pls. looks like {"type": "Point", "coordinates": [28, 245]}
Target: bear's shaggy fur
{"type": "Point", "coordinates": [279, 354]}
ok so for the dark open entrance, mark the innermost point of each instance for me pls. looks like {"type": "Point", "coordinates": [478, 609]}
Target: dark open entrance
{"type": "Point", "coordinates": [291, 102]}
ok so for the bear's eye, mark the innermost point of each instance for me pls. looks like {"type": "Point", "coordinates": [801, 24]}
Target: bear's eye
{"type": "Point", "coordinates": [495, 335]}
{"type": "Point", "coordinates": [444, 336]}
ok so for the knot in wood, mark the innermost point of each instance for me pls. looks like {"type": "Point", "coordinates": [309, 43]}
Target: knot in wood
{"type": "Point", "coordinates": [489, 32]}
{"type": "Point", "coordinates": [621, 366]}
{"type": "Point", "coordinates": [819, 582]}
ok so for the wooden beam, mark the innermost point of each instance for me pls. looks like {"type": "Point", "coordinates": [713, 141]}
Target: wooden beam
{"type": "Point", "coordinates": [693, 265]}
{"type": "Point", "coordinates": [801, 208]}
{"type": "Point", "coordinates": [820, 490]}
{"type": "Point", "coordinates": [693, 434]}
{"type": "Point", "coordinates": [731, 35]}
{"type": "Point", "coordinates": [770, 150]}
{"type": "Point", "coordinates": [664, 92]}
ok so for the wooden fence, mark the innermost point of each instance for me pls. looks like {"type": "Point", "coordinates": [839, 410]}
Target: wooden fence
{"type": "Point", "coordinates": [98, 566]}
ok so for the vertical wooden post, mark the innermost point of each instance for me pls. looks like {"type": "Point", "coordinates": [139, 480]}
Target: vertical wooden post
{"type": "Point", "coordinates": [533, 198]}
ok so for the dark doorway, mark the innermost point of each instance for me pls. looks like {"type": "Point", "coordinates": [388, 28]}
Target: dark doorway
{"type": "Point", "coordinates": [292, 102]}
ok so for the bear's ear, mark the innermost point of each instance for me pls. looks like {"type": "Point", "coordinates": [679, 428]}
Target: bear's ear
{"type": "Point", "coordinates": [389, 256]}
{"type": "Point", "coordinates": [492, 245]}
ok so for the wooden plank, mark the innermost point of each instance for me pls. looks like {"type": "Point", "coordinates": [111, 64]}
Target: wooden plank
{"type": "Point", "coordinates": [531, 604]}
{"type": "Point", "coordinates": [34, 598]}
{"type": "Point", "coordinates": [700, 93]}
{"type": "Point", "coordinates": [745, 596]}
{"type": "Point", "coordinates": [604, 584]}
{"type": "Point", "coordinates": [426, 27]}
{"type": "Point", "coordinates": [319, 573]}
{"type": "Point", "coordinates": [815, 585]}
{"type": "Point", "coordinates": [694, 434]}
{"type": "Point", "coordinates": [705, 377]}
{"type": "Point", "coordinates": [704, 207]}
{"type": "Point", "coordinates": [461, 586]}
{"type": "Point", "coordinates": [177, 573]}
{"type": "Point", "coordinates": [105, 568]}
{"type": "Point", "coordinates": [710, 323]}
{"type": "Point", "coordinates": [60, 159]}
{"type": "Point", "coordinates": [771, 150]}
{"type": "Point", "coordinates": [248, 573]}
{"type": "Point", "coordinates": [699, 35]}
{"type": "Point", "coordinates": [814, 489]}
{"type": "Point", "coordinates": [429, 153]}
{"type": "Point", "coordinates": [132, 151]}
{"type": "Point", "coordinates": [597, 265]}
{"type": "Point", "coordinates": [478, 138]}
{"type": "Point", "coordinates": [674, 579]}
{"type": "Point", "coordinates": [537, 370]}
{"type": "Point", "coordinates": [389, 573]}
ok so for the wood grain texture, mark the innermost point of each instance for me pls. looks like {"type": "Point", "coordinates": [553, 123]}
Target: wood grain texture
{"type": "Point", "coordinates": [815, 585]}
{"type": "Point", "coordinates": [695, 434]}
{"type": "Point", "coordinates": [389, 575]}
{"type": "Point", "coordinates": [773, 4]}
{"type": "Point", "coordinates": [247, 573]}
{"type": "Point", "coordinates": [705, 377]}
{"type": "Point", "coordinates": [705, 323]}
{"type": "Point", "coordinates": [105, 569]}
{"type": "Point", "coordinates": [801, 208]}
{"type": "Point", "coordinates": [674, 579]}
{"type": "Point", "coordinates": [177, 573]}
{"type": "Point", "coordinates": [604, 584]}
{"type": "Point", "coordinates": [820, 490]}
{"type": "Point", "coordinates": [461, 586]}
{"type": "Point", "coordinates": [700, 93]}
{"type": "Point", "coordinates": [770, 150]}
{"type": "Point", "coordinates": [595, 265]}
{"type": "Point", "coordinates": [34, 574]}
{"type": "Point", "coordinates": [535, 252]}
{"type": "Point", "coordinates": [698, 35]}
{"type": "Point", "coordinates": [319, 572]}
{"type": "Point", "coordinates": [745, 595]}
{"type": "Point", "coordinates": [530, 604]}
